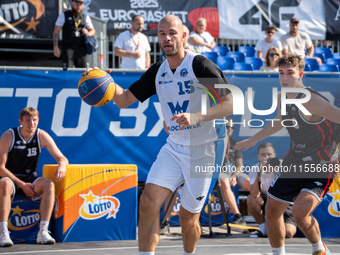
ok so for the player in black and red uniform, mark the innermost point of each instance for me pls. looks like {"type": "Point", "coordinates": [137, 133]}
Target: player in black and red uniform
{"type": "Point", "coordinates": [309, 167]}
{"type": "Point", "coordinates": [19, 153]}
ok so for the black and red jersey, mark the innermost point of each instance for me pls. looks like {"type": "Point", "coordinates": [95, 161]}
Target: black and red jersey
{"type": "Point", "coordinates": [311, 141]}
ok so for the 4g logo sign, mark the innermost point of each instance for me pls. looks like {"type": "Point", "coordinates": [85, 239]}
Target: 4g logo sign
{"type": "Point", "coordinates": [269, 14]}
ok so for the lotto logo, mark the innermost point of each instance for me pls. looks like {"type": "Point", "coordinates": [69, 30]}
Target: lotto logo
{"type": "Point", "coordinates": [334, 206]}
{"type": "Point", "coordinates": [95, 207]}
{"type": "Point", "coordinates": [22, 219]}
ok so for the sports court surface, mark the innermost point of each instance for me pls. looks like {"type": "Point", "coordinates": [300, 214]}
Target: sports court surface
{"type": "Point", "coordinates": [220, 244]}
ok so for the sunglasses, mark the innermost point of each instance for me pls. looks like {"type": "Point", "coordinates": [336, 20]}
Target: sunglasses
{"type": "Point", "coordinates": [271, 32]}
{"type": "Point", "coordinates": [273, 54]}
{"type": "Point", "coordinates": [230, 127]}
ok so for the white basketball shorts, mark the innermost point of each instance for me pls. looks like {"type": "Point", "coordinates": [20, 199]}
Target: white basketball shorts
{"type": "Point", "coordinates": [195, 166]}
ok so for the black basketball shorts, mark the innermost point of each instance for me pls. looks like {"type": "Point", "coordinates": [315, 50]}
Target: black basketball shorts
{"type": "Point", "coordinates": [287, 185]}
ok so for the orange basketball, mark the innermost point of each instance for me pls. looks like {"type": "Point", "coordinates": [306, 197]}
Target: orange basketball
{"type": "Point", "coordinates": [96, 88]}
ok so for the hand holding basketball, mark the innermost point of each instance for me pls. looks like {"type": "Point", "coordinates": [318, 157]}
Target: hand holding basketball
{"type": "Point", "coordinates": [96, 87]}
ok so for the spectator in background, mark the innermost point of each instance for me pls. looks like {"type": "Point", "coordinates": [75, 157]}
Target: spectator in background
{"type": "Point", "coordinates": [263, 45]}
{"type": "Point", "coordinates": [233, 158]}
{"type": "Point", "coordinates": [260, 180]}
{"type": "Point", "coordinates": [296, 41]}
{"type": "Point", "coordinates": [327, 43]}
{"type": "Point", "coordinates": [75, 28]}
{"type": "Point", "coordinates": [202, 40]}
{"type": "Point", "coordinates": [133, 46]}
{"type": "Point", "coordinates": [186, 43]}
{"type": "Point", "coordinates": [272, 55]}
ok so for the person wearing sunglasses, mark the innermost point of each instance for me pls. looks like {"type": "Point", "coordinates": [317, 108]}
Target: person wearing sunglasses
{"type": "Point", "coordinates": [263, 45]}
{"type": "Point", "coordinates": [233, 158]}
{"type": "Point", "coordinates": [272, 55]}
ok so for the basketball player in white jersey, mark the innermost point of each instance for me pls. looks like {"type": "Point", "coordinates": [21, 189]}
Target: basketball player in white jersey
{"type": "Point", "coordinates": [194, 143]}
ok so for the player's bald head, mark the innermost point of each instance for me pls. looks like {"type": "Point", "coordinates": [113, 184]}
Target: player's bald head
{"type": "Point", "coordinates": [171, 20]}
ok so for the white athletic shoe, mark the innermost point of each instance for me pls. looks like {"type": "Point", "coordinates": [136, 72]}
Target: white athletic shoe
{"type": "Point", "coordinates": [5, 240]}
{"type": "Point", "coordinates": [44, 237]}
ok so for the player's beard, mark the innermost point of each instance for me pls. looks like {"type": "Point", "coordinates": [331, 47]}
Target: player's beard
{"type": "Point", "coordinates": [176, 47]}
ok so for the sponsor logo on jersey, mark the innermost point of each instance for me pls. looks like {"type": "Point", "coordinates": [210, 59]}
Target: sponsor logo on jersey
{"type": "Point", "coordinates": [199, 198]}
{"type": "Point", "coordinates": [178, 108]}
{"type": "Point", "coordinates": [318, 183]}
{"type": "Point", "coordinates": [22, 219]}
{"type": "Point", "coordinates": [293, 110]}
{"type": "Point", "coordinates": [184, 72]}
{"type": "Point", "coordinates": [95, 207]}
{"type": "Point", "coordinates": [334, 206]}
{"type": "Point", "coordinates": [175, 128]}
{"type": "Point", "coordinates": [22, 147]}
{"type": "Point", "coordinates": [308, 158]}
{"type": "Point", "coordinates": [164, 79]}
{"type": "Point", "coordinates": [165, 82]}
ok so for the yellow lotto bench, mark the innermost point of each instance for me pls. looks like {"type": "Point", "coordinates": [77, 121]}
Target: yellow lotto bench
{"type": "Point", "coordinates": [95, 202]}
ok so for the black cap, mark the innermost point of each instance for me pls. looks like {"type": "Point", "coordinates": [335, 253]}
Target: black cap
{"type": "Point", "coordinates": [78, 1]}
{"type": "Point", "coordinates": [294, 20]}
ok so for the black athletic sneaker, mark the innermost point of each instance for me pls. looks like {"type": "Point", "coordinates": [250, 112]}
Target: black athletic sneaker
{"type": "Point", "coordinates": [258, 234]}
{"type": "Point", "coordinates": [165, 228]}
{"type": "Point", "coordinates": [239, 220]}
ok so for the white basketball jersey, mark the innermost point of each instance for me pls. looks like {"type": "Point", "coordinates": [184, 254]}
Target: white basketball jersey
{"type": "Point", "coordinates": [181, 92]}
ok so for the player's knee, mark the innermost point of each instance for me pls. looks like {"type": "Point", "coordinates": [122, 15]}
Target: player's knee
{"type": "Point", "coordinates": [225, 184]}
{"type": "Point", "coordinates": [46, 186]}
{"type": "Point", "coordinates": [6, 186]}
{"type": "Point", "coordinates": [187, 219]}
{"type": "Point", "coordinates": [290, 231]}
{"type": "Point", "coordinates": [49, 185]}
{"type": "Point", "coordinates": [246, 184]}
{"type": "Point", "coordinates": [297, 215]}
{"type": "Point", "coordinates": [145, 204]}
{"type": "Point", "coordinates": [270, 210]}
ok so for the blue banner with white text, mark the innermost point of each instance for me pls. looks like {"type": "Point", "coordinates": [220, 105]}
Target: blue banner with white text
{"type": "Point", "coordinates": [107, 134]}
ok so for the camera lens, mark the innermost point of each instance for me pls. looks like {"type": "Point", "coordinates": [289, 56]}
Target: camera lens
{"type": "Point", "coordinates": [273, 162]}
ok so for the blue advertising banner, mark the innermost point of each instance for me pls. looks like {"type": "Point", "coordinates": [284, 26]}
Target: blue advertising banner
{"type": "Point", "coordinates": [107, 134]}
{"type": "Point", "coordinates": [84, 134]}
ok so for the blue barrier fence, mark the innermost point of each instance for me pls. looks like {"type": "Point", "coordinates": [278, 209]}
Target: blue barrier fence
{"type": "Point", "coordinates": [133, 135]}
